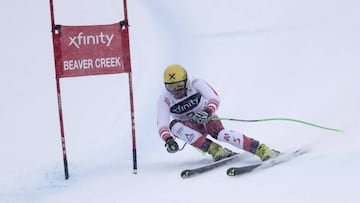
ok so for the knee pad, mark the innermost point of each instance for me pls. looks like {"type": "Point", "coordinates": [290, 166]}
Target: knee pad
{"type": "Point", "coordinates": [234, 138]}
{"type": "Point", "coordinates": [185, 133]}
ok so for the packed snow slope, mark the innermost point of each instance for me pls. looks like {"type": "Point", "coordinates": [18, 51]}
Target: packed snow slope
{"type": "Point", "coordinates": [292, 59]}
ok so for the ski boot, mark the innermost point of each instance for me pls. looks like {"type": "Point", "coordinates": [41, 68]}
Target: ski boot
{"type": "Point", "coordinates": [218, 152]}
{"type": "Point", "coordinates": [265, 153]}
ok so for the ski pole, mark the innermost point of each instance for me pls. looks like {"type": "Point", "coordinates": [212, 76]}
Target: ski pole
{"type": "Point", "coordinates": [180, 149]}
{"type": "Point", "coordinates": [278, 119]}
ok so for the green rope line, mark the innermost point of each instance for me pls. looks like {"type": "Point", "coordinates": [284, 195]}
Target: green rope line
{"type": "Point", "coordinates": [279, 119]}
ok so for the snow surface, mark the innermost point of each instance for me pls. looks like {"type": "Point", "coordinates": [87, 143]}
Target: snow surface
{"type": "Point", "coordinates": [295, 59]}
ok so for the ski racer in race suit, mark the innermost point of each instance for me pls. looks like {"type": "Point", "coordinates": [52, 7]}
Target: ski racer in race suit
{"type": "Point", "coordinates": [184, 110]}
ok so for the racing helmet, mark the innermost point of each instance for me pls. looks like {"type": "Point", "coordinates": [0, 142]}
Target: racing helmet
{"type": "Point", "coordinates": [175, 79]}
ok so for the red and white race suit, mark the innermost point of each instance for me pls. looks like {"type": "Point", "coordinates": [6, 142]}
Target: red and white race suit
{"type": "Point", "coordinates": [174, 117]}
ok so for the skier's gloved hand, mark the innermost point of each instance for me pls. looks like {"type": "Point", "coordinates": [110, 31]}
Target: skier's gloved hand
{"type": "Point", "coordinates": [202, 117]}
{"type": "Point", "coordinates": [171, 145]}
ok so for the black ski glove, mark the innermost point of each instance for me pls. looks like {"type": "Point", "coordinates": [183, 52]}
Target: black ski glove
{"type": "Point", "coordinates": [171, 145]}
{"type": "Point", "coordinates": [202, 117]}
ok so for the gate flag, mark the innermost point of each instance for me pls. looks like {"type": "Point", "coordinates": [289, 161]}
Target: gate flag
{"type": "Point", "coordinates": [90, 50]}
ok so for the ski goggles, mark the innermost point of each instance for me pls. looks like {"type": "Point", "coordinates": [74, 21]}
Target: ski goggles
{"type": "Point", "coordinates": [175, 86]}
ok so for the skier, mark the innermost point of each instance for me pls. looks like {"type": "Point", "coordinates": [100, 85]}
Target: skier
{"type": "Point", "coordinates": [190, 103]}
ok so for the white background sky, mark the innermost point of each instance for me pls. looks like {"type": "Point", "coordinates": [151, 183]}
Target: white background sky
{"type": "Point", "coordinates": [297, 59]}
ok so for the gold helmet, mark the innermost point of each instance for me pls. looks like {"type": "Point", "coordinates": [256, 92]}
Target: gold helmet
{"type": "Point", "coordinates": [175, 79]}
{"type": "Point", "coordinates": [174, 73]}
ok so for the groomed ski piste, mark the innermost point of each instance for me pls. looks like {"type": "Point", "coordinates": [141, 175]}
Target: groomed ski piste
{"type": "Point", "coordinates": [296, 59]}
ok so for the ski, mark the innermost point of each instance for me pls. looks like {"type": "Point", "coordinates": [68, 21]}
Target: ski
{"type": "Point", "coordinates": [191, 172]}
{"type": "Point", "coordinates": [283, 157]}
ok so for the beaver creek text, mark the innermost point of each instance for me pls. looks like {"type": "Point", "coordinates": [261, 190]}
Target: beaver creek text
{"type": "Point", "coordinates": [111, 62]}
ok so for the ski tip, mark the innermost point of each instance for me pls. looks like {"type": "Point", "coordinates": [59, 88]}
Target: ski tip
{"type": "Point", "coordinates": [230, 172]}
{"type": "Point", "coordinates": [185, 174]}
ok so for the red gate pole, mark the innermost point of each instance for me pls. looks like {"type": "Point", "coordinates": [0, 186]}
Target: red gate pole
{"type": "Point", "coordinates": [66, 169]}
{"type": "Point", "coordinates": [127, 44]}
